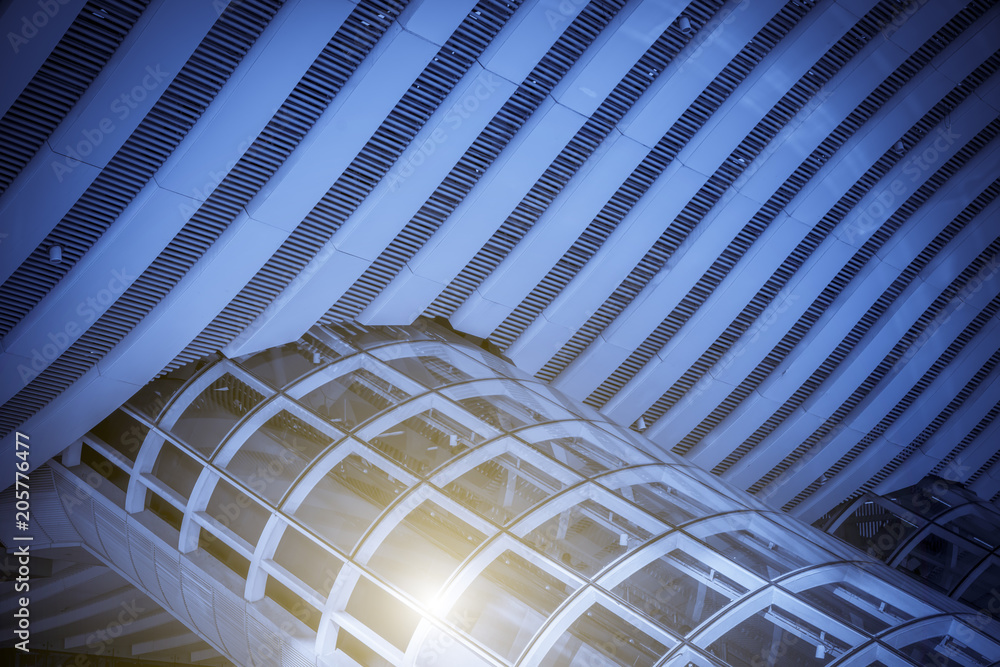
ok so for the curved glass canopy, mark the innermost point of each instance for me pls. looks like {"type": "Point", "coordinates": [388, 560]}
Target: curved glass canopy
{"type": "Point", "coordinates": [399, 496]}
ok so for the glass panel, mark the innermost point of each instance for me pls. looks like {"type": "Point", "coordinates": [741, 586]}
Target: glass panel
{"type": "Point", "coordinates": [383, 613]}
{"type": "Point", "coordinates": [164, 510]}
{"type": "Point", "coordinates": [353, 397]}
{"type": "Point", "coordinates": [599, 637]}
{"type": "Point", "coordinates": [875, 530]}
{"type": "Point", "coordinates": [223, 552]}
{"type": "Point", "coordinates": [759, 546]}
{"type": "Point", "coordinates": [176, 469]}
{"type": "Point", "coordinates": [503, 487]}
{"type": "Point", "coordinates": [344, 504]}
{"type": "Point", "coordinates": [984, 592]}
{"type": "Point", "coordinates": [122, 433]}
{"type": "Point", "coordinates": [587, 537]}
{"type": "Point", "coordinates": [922, 499]}
{"type": "Point", "coordinates": [274, 455]}
{"type": "Point", "coordinates": [495, 363]}
{"type": "Point", "coordinates": [279, 366]}
{"type": "Point", "coordinates": [426, 440]}
{"type": "Point", "coordinates": [940, 562]}
{"type": "Point", "coordinates": [441, 648]}
{"type": "Point", "coordinates": [313, 565]}
{"type": "Point", "coordinates": [942, 650]}
{"type": "Point", "coordinates": [213, 414]}
{"type": "Point", "coordinates": [433, 364]}
{"type": "Point", "coordinates": [359, 652]}
{"type": "Point", "coordinates": [571, 404]}
{"type": "Point", "coordinates": [980, 525]}
{"type": "Point", "coordinates": [292, 603]}
{"type": "Point", "coordinates": [425, 549]}
{"type": "Point", "coordinates": [855, 606]}
{"type": "Point", "coordinates": [776, 637]}
{"type": "Point", "coordinates": [584, 448]}
{"type": "Point", "coordinates": [670, 497]}
{"type": "Point", "coordinates": [237, 511]}
{"type": "Point", "coordinates": [722, 486]}
{"type": "Point", "coordinates": [105, 468]}
{"type": "Point", "coordinates": [507, 604]}
{"type": "Point", "coordinates": [678, 591]}
{"type": "Point", "coordinates": [151, 399]}
{"type": "Point", "coordinates": [505, 405]}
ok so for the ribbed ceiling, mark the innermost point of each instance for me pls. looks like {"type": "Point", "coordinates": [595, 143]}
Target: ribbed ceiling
{"type": "Point", "coordinates": [765, 234]}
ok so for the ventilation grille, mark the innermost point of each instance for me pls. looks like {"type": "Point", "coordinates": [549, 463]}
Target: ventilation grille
{"type": "Point", "coordinates": [74, 63]}
{"type": "Point", "coordinates": [159, 133]}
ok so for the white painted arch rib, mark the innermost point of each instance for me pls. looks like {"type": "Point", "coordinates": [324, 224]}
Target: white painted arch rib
{"type": "Point", "coordinates": [726, 128]}
{"type": "Point", "coordinates": [836, 322]}
{"type": "Point", "coordinates": [30, 38]}
{"type": "Point", "coordinates": [99, 124]}
{"type": "Point", "coordinates": [896, 186]}
{"type": "Point", "coordinates": [167, 201]}
{"type": "Point", "coordinates": [593, 186]}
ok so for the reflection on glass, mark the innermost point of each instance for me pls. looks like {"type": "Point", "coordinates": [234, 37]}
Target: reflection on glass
{"type": "Point", "coordinates": [507, 604]}
{"type": "Point", "coordinates": [599, 637]}
{"type": "Point", "coordinates": [176, 469]}
{"type": "Point", "coordinates": [678, 591]}
{"type": "Point", "coordinates": [151, 400]}
{"type": "Point", "coordinates": [587, 537]}
{"type": "Point", "coordinates": [383, 613]}
{"type": "Point", "coordinates": [760, 547]}
{"type": "Point", "coordinates": [236, 511]}
{"type": "Point", "coordinates": [205, 423]}
{"type": "Point", "coordinates": [505, 405]}
{"type": "Point", "coordinates": [432, 364]}
{"type": "Point", "coordinates": [276, 453]}
{"type": "Point", "coordinates": [980, 525]}
{"type": "Point", "coordinates": [875, 530]}
{"type": "Point", "coordinates": [984, 591]}
{"type": "Point", "coordinates": [440, 648]}
{"type": "Point", "coordinates": [940, 562]}
{"type": "Point", "coordinates": [855, 606]}
{"type": "Point", "coordinates": [425, 441]}
{"type": "Point", "coordinates": [925, 501]}
{"type": "Point", "coordinates": [946, 651]}
{"type": "Point", "coordinates": [353, 397]}
{"type": "Point", "coordinates": [776, 637]}
{"type": "Point", "coordinates": [308, 562]}
{"type": "Point", "coordinates": [345, 503]}
{"type": "Point", "coordinates": [424, 550]}
{"type": "Point", "coordinates": [123, 433]}
{"type": "Point", "coordinates": [282, 365]}
{"type": "Point", "coordinates": [668, 496]}
{"type": "Point", "coordinates": [584, 448]}
{"type": "Point", "coordinates": [503, 487]}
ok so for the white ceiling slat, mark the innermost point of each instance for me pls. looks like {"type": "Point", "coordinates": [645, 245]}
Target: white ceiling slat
{"type": "Point", "coordinates": [101, 122]}
{"type": "Point", "coordinates": [30, 38]}
{"type": "Point", "coordinates": [591, 288]}
{"type": "Point", "coordinates": [479, 215]}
